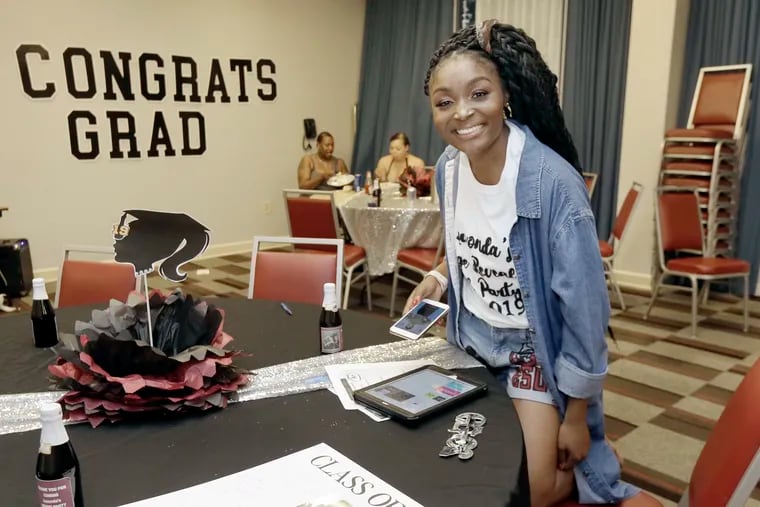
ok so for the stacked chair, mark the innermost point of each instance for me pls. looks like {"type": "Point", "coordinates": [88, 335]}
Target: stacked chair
{"type": "Point", "coordinates": [707, 155]}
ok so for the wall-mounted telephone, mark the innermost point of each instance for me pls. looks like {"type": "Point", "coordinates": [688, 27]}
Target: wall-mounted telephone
{"type": "Point", "coordinates": [310, 128]}
{"type": "Point", "coordinates": [309, 132]}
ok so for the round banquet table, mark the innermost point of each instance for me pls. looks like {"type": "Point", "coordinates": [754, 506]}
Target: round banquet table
{"type": "Point", "coordinates": [398, 223]}
{"type": "Point", "coordinates": [126, 462]}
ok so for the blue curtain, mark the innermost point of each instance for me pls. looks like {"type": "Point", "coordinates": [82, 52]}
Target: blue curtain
{"type": "Point", "coordinates": [399, 38]}
{"type": "Point", "coordinates": [725, 32]}
{"type": "Point", "coordinates": [596, 60]}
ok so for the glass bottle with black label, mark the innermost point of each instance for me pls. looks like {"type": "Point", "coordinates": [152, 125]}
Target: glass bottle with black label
{"type": "Point", "coordinates": [330, 323]}
{"type": "Point", "coordinates": [377, 192]}
{"type": "Point", "coordinates": [59, 480]}
{"type": "Point", "coordinates": [43, 316]}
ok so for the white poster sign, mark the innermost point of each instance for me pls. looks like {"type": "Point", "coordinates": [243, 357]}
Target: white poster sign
{"type": "Point", "coordinates": [326, 478]}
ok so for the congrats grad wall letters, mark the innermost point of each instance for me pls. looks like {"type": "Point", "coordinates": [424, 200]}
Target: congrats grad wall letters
{"type": "Point", "coordinates": [154, 74]}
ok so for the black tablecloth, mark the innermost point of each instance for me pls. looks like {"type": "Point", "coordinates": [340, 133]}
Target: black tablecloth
{"type": "Point", "coordinates": [130, 461]}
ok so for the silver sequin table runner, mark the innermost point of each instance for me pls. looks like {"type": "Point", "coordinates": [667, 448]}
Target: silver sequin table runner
{"type": "Point", "coordinates": [19, 412]}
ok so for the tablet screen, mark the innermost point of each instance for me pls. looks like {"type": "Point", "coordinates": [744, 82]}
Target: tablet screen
{"type": "Point", "coordinates": [420, 390]}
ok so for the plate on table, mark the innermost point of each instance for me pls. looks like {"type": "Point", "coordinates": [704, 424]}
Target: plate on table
{"type": "Point", "coordinates": [340, 180]}
{"type": "Point", "coordinates": [390, 187]}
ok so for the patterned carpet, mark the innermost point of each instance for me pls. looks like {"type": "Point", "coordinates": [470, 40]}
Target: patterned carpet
{"type": "Point", "coordinates": [664, 391]}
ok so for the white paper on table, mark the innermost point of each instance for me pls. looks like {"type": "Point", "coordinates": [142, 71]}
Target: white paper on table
{"type": "Point", "coordinates": [318, 476]}
{"type": "Point", "coordinates": [359, 375]}
{"type": "Point", "coordinates": [372, 414]}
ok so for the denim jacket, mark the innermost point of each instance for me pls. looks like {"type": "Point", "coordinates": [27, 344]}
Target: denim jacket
{"type": "Point", "coordinates": [555, 249]}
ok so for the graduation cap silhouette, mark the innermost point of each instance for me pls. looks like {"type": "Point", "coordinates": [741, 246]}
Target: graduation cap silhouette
{"type": "Point", "coordinates": [144, 237]}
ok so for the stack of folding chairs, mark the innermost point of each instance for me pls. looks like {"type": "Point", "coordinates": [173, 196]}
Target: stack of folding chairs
{"type": "Point", "coordinates": [707, 155]}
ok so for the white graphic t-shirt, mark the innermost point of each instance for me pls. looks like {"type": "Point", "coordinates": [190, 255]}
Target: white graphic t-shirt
{"type": "Point", "coordinates": [483, 219]}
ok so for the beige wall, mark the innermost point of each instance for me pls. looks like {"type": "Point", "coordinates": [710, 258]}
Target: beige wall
{"type": "Point", "coordinates": [653, 84]}
{"type": "Point", "coordinates": [252, 148]}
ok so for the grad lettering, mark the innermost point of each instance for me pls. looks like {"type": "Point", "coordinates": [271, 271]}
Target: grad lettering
{"type": "Point", "coordinates": [128, 77]}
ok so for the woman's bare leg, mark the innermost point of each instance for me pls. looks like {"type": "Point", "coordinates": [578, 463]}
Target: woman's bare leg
{"type": "Point", "coordinates": [540, 427]}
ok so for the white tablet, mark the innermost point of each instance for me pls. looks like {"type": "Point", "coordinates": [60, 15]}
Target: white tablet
{"type": "Point", "coordinates": [419, 319]}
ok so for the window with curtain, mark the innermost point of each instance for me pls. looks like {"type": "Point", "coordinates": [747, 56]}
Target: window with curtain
{"type": "Point", "coordinates": [584, 42]}
{"type": "Point", "coordinates": [596, 62]}
{"type": "Point", "coordinates": [399, 38]}
{"type": "Point", "coordinates": [465, 14]}
{"type": "Point", "coordinates": [543, 20]}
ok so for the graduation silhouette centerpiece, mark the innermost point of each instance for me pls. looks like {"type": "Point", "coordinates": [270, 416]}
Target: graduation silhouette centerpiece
{"type": "Point", "coordinates": [153, 353]}
{"type": "Point", "coordinates": [144, 237]}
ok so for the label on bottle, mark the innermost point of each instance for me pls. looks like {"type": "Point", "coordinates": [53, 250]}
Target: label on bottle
{"type": "Point", "coordinates": [331, 339]}
{"type": "Point", "coordinates": [57, 493]}
{"type": "Point", "coordinates": [45, 330]}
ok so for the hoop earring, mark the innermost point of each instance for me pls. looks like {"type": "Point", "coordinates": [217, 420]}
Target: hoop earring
{"type": "Point", "coordinates": [507, 111]}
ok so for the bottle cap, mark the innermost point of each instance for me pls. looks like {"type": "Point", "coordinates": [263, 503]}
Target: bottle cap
{"type": "Point", "coordinates": [330, 300]}
{"type": "Point", "coordinates": [50, 411]}
{"type": "Point", "coordinates": [39, 292]}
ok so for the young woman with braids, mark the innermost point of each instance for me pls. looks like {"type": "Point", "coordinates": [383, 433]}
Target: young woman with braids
{"type": "Point", "coordinates": [526, 286]}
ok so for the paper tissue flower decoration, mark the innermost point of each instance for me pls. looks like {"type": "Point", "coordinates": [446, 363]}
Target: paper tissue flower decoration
{"type": "Point", "coordinates": [112, 373]}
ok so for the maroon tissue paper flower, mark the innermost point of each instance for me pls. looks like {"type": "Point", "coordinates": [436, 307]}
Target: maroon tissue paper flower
{"type": "Point", "coordinates": [112, 373]}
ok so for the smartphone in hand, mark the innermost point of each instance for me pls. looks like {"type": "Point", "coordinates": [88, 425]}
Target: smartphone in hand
{"type": "Point", "coordinates": [417, 321]}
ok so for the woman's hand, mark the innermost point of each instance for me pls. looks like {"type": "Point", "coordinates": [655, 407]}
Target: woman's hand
{"type": "Point", "coordinates": [573, 443]}
{"type": "Point", "coordinates": [428, 288]}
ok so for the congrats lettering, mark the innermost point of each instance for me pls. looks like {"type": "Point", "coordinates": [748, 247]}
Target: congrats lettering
{"type": "Point", "coordinates": [150, 77]}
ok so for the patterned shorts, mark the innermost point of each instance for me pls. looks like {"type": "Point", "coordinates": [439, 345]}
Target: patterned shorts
{"type": "Point", "coordinates": [509, 354]}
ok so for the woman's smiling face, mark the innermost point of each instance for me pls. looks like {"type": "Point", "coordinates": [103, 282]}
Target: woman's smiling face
{"type": "Point", "coordinates": [468, 99]}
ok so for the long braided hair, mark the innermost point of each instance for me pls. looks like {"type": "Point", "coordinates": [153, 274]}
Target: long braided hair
{"type": "Point", "coordinates": [532, 87]}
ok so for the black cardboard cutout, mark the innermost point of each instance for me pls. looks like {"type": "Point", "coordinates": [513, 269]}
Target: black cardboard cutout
{"type": "Point", "coordinates": [143, 238]}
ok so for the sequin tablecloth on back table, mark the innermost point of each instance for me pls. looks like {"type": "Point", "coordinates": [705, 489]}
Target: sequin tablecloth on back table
{"type": "Point", "coordinates": [398, 223]}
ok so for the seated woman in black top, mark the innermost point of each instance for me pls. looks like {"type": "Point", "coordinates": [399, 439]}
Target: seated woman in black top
{"type": "Point", "coordinates": [316, 168]}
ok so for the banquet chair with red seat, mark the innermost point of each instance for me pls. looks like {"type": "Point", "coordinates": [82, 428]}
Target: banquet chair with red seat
{"type": "Point", "coordinates": [611, 247]}
{"type": "Point", "coordinates": [728, 467]}
{"type": "Point", "coordinates": [312, 214]}
{"type": "Point", "coordinates": [679, 229]}
{"type": "Point", "coordinates": [294, 275]}
{"type": "Point", "coordinates": [417, 260]}
{"type": "Point", "coordinates": [84, 282]}
{"type": "Point", "coordinates": [718, 112]}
